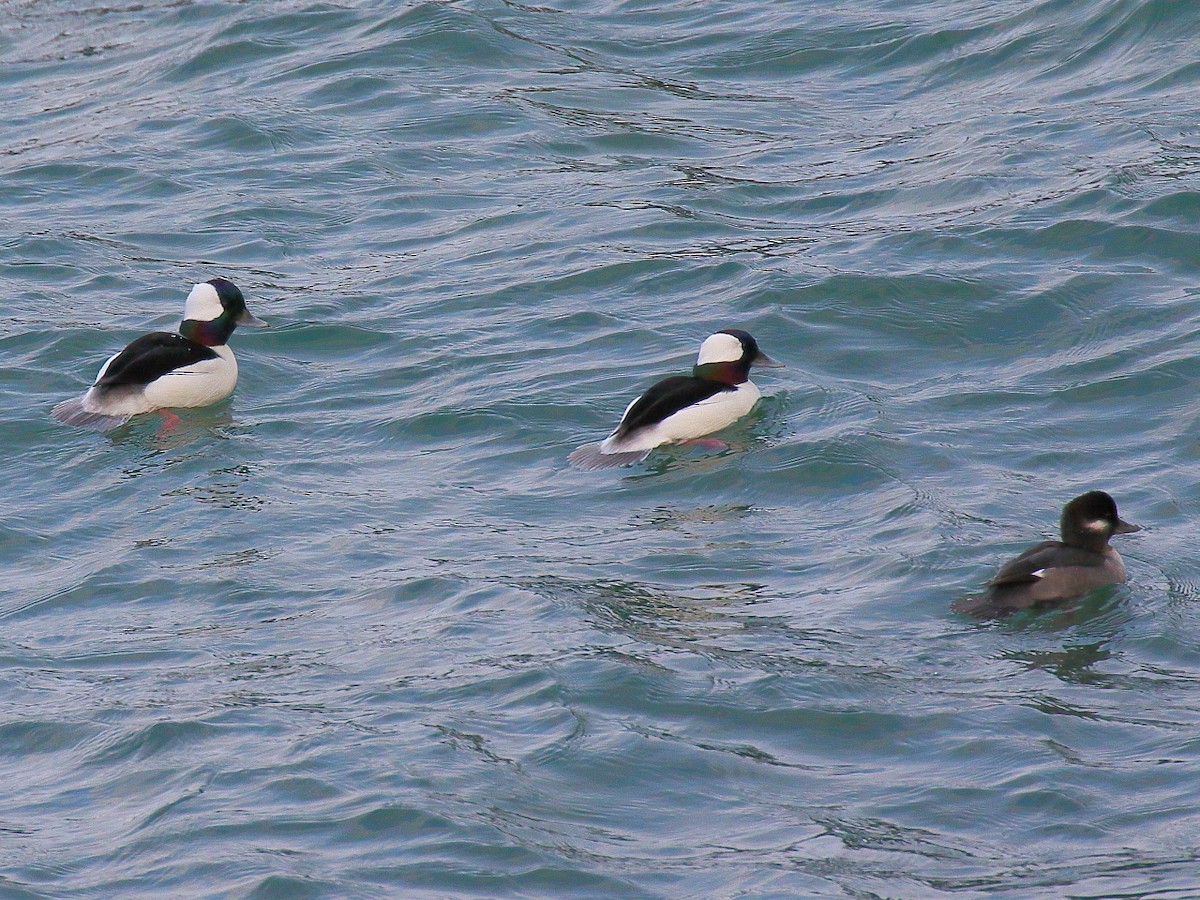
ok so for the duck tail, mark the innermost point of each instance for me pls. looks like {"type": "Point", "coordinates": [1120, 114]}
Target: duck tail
{"type": "Point", "coordinates": [590, 456]}
{"type": "Point", "coordinates": [981, 606]}
{"type": "Point", "coordinates": [73, 412]}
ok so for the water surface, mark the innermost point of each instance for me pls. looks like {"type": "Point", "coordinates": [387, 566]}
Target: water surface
{"type": "Point", "coordinates": [360, 632]}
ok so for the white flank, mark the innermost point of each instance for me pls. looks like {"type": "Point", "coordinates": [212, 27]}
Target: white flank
{"type": "Point", "coordinates": [718, 411]}
{"type": "Point", "coordinates": [200, 384]}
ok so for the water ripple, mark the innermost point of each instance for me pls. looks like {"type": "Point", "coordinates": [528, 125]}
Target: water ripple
{"type": "Point", "coordinates": [360, 631]}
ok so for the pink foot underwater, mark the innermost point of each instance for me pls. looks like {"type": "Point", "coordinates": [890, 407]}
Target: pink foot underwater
{"type": "Point", "coordinates": [169, 423]}
{"type": "Point", "coordinates": [706, 443]}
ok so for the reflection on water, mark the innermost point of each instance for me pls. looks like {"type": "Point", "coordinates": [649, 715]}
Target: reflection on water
{"type": "Point", "coordinates": [691, 521]}
{"type": "Point", "coordinates": [226, 488]}
{"type": "Point", "coordinates": [153, 432]}
{"type": "Point", "coordinates": [1073, 663]}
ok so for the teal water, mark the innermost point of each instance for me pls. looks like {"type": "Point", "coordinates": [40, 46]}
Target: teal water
{"type": "Point", "coordinates": [360, 632]}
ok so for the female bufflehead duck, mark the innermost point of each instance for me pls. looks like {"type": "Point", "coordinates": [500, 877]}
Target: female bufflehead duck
{"type": "Point", "coordinates": [716, 394]}
{"type": "Point", "coordinates": [1055, 571]}
{"type": "Point", "coordinates": [160, 370]}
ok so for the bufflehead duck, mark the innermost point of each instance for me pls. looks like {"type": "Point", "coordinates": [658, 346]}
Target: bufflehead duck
{"type": "Point", "coordinates": [715, 395]}
{"type": "Point", "coordinates": [1056, 571]}
{"type": "Point", "coordinates": [192, 368]}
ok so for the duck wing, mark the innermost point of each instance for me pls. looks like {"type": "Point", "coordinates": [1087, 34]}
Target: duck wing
{"type": "Point", "coordinates": [149, 358]}
{"type": "Point", "coordinates": [1033, 563]}
{"type": "Point", "coordinates": [666, 398]}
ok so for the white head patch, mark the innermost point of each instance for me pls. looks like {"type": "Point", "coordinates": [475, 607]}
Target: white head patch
{"type": "Point", "coordinates": [1098, 526]}
{"type": "Point", "coordinates": [203, 304]}
{"type": "Point", "coordinates": [720, 348]}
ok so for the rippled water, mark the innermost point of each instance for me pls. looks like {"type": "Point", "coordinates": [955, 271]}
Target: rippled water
{"type": "Point", "coordinates": [359, 631]}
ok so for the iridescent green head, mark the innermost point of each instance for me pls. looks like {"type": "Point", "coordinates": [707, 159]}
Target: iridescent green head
{"type": "Point", "coordinates": [213, 310]}
{"type": "Point", "coordinates": [728, 355]}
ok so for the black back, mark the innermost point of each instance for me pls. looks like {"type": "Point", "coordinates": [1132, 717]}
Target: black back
{"type": "Point", "coordinates": [666, 398]}
{"type": "Point", "coordinates": [150, 357]}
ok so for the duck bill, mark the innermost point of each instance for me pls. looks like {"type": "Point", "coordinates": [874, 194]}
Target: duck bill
{"type": "Point", "coordinates": [1124, 527]}
{"type": "Point", "coordinates": [762, 361]}
{"type": "Point", "coordinates": [247, 319]}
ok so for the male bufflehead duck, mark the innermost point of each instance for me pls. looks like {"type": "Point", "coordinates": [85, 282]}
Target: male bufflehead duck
{"type": "Point", "coordinates": [161, 370]}
{"type": "Point", "coordinates": [715, 395]}
{"type": "Point", "coordinates": [1056, 571]}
